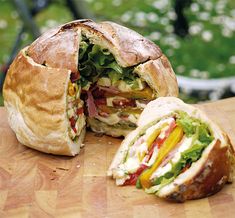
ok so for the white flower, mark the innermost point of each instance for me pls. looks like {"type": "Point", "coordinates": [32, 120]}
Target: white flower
{"type": "Point", "coordinates": [180, 69]}
{"type": "Point", "coordinates": [219, 7]}
{"type": "Point", "coordinates": [207, 36]}
{"type": "Point", "coordinates": [229, 23]}
{"type": "Point", "coordinates": [232, 59]}
{"type": "Point", "coordinates": [194, 73]}
{"type": "Point", "coordinates": [169, 28]}
{"type": "Point", "coordinates": [227, 32]}
{"type": "Point", "coordinates": [217, 20]}
{"type": "Point", "coordinates": [204, 74]}
{"type": "Point", "coordinates": [161, 4]}
{"type": "Point", "coordinates": [155, 35]}
{"type": "Point", "coordinates": [140, 19]}
{"type": "Point", "coordinates": [195, 29]}
{"type": "Point", "coordinates": [126, 16]}
{"type": "Point", "coordinates": [208, 5]}
{"type": "Point", "coordinates": [204, 16]}
{"type": "Point", "coordinates": [164, 21]}
{"type": "Point", "coordinates": [172, 15]}
{"type": "Point", "coordinates": [152, 17]}
{"type": "Point", "coordinates": [194, 7]}
{"type": "Point", "coordinates": [117, 2]}
{"type": "Point", "coordinates": [172, 41]}
{"type": "Point", "coordinates": [140, 15]}
{"type": "Point", "coordinates": [3, 24]}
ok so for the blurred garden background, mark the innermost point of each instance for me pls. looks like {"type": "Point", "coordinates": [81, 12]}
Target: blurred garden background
{"type": "Point", "coordinates": [199, 40]}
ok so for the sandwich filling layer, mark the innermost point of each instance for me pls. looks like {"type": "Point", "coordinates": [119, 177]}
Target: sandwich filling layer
{"type": "Point", "coordinates": [75, 112]}
{"type": "Point", "coordinates": [162, 151]}
{"type": "Point", "coordinates": [114, 95]}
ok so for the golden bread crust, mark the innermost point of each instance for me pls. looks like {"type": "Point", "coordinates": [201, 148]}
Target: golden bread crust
{"type": "Point", "coordinates": [211, 178]}
{"type": "Point", "coordinates": [39, 117]}
{"type": "Point", "coordinates": [59, 46]}
{"type": "Point", "coordinates": [57, 49]}
{"type": "Point", "coordinates": [160, 76]}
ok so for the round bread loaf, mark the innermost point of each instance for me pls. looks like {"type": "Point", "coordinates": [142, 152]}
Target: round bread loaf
{"type": "Point", "coordinates": [39, 79]}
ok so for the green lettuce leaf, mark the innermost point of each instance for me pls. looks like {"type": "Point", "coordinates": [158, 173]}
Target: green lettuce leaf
{"type": "Point", "coordinates": [95, 62]}
{"type": "Point", "coordinates": [187, 123]}
{"type": "Point", "coordinates": [204, 135]}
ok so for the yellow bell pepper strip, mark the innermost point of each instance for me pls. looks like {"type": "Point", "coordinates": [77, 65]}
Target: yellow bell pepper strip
{"type": "Point", "coordinates": [146, 93]}
{"type": "Point", "coordinates": [72, 89]}
{"type": "Point", "coordinates": [175, 136]}
{"type": "Point", "coordinates": [150, 141]}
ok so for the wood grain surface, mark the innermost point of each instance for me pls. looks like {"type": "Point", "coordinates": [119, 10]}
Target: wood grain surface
{"type": "Point", "coordinates": [33, 184]}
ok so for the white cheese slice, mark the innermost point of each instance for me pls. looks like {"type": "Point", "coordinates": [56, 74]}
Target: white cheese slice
{"type": "Point", "coordinates": [104, 81]}
{"type": "Point", "coordinates": [133, 118]}
{"type": "Point", "coordinates": [139, 104]}
{"type": "Point", "coordinates": [112, 119]}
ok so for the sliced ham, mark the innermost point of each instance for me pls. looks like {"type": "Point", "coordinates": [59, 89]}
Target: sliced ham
{"type": "Point", "coordinates": [110, 89]}
{"type": "Point", "coordinates": [91, 107]}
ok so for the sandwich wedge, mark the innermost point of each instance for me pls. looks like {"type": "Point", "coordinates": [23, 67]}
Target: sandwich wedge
{"type": "Point", "coordinates": [99, 74]}
{"type": "Point", "coordinates": [176, 152]}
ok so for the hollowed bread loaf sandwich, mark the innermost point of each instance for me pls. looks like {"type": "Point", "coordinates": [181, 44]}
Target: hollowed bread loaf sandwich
{"type": "Point", "coordinates": [102, 74]}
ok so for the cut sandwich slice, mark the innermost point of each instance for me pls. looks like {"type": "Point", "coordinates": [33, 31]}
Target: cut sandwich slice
{"type": "Point", "coordinates": [176, 153]}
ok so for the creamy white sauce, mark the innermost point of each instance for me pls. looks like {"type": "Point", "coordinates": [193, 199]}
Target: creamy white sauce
{"type": "Point", "coordinates": [152, 129]}
{"type": "Point", "coordinates": [139, 104]}
{"type": "Point", "coordinates": [154, 157]}
{"type": "Point", "coordinates": [112, 119]}
{"type": "Point", "coordinates": [133, 118]}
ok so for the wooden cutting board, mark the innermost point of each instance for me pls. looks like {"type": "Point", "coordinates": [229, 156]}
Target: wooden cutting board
{"type": "Point", "coordinates": [33, 184]}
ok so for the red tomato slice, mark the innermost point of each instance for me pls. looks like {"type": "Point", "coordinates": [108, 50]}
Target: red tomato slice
{"type": "Point", "coordinates": [74, 129]}
{"type": "Point", "coordinates": [80, 111]}
{"type": "Point", "coordinates": [134, 176]}
{"type": "Point", "coordinates": [159, 141]}
{"type": "Point", "coordinates": [72, 122]}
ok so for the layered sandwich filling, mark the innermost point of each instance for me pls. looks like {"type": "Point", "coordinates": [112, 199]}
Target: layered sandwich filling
{"type": "Point", "coordinates": [162, 151]}
{"type": "Point", "coordinates": [114, 95]}
{"type": "Point", "coordinates": [75, 112]}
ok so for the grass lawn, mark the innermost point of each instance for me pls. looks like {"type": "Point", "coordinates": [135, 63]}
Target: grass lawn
{"type": "Point", "coordinates": [207, 53]}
